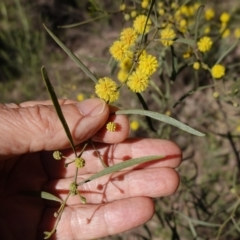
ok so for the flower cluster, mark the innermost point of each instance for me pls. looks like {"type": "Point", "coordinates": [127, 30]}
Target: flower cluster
{"type": "Point", "coordinates": [136, 65]}
{"type": "Point", "coordinates": [107, 89]}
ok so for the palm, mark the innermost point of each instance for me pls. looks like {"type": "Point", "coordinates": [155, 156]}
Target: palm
{"type": "Point", "coordinates": [28, 216]}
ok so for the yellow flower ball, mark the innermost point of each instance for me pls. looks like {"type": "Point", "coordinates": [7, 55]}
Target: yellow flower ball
{"type": "Point", "coordinates": [196, 65]}
{"type": "Point", "coordinates": [137, 81]}
{"type": "Point", "coordinates": [174, 5]}
{"type": "Point", "coordinates": [148, 64]}
{"type": "Point", "coordinates": [140, 22]}
{"type": "Point", "coordinates": [145, 3]}
{"type": "Point", "coordinates": [237, 33]}
{"type": "Point", "coordinates": [118, 50]}
{"type": "Point", "coordinates": [161, 11]}
{"type": "Point", "coordinates": [107, 90]}
{"type": "Point", "coordinates": [225, 17]}
{"type": "Point", "coordinates": [122, 75]}
{"type": "Point", "coordinates": [122, 7]}
{"type": "Point", "coordinates": [133, 14]}
{"type": "Point", "coordinates": [80, 97]}
{"type": "Point", "coordinates": [226, 33]}
{"type": "Point", "coordinates": [111, 126]}
{"type": "Point", "coordinates": [128, 36]}
{"type": "Point", "coordinates": [187, 54]}
{"type": "Point", "coordinates": [216, 94]}
{"type": "Point", "coordinates": [209, 14]}
{"type": "Point", "coordinates": [126, 63]}
{"type": "Point", "coordinates": [167, 35]}
{"type": "Point", "coordinates": [126, 16]}
{"type": "Point", "coordinates": [218, 71]}
{"type": "Point", "coordinates": [207, 30]}
{"type": "Point", "coordinates": [204, 44]}
{"type": "Point", "coordinates": [134, 125]}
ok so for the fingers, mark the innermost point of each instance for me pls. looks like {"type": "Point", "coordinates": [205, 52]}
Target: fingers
{"type": "Point", "coordinates": [31, 128]}
{"type": "Point", "coordinates": [95, 221]}
{"type": "Point", "coordinates": [152, 179]}
{"type": "Point", "coordinates": [112, 154]}
{"type": "Point", "coordinates": [154, 182]}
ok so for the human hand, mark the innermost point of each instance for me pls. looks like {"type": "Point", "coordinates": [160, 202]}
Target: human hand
{"type": "Point", "coordinates": [31, 131]}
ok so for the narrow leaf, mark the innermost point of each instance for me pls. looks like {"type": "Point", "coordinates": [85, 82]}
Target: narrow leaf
{"type": "Point", "coordinates": [185, 41]}
{"type": "Point", "coordinates": [163, 118]}
{"type": "Point", "coordinates": [49, 196]}
{"type": "Point", "coordinates": [227, 52]}
{"type": "Point", "coordinates": [58, 109]}
{"type": "Point", "coordinates": [198, 222]}
{"type": "Point", "coordinates": [72, 55]}
{"type": "Point", "coordinates": [83, 22]}
{"type": "Point", "coordinates": [198, 16]}
{"type": "Point", "coordinates": [122, 165]}
{"type": "Point", "coordinates": [174, 64]}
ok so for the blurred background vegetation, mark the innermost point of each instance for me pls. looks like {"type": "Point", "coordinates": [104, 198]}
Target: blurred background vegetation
{"type": "Point", "coordinates": [206, 206]}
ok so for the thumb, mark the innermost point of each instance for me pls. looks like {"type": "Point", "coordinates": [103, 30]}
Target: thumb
{"type": "Point", "coordinates": [35, 128]}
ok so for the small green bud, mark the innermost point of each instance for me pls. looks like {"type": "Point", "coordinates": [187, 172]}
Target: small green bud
{"type": "Point", "coordinates": [73, 189]}
{"type": "Point", "coordinates": [83, 199]}
{"type": "Point", "coordinates": [80, 162]}
{"type": "Point", "coordinates": [57, 155]}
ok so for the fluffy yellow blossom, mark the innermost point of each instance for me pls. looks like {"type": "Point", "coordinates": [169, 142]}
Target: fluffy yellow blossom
{"type": "Point", "coordinates": [126, 16]}
{"type": "Point", "coordinates": [209, 14]}
{"type": "Point", "coordinates": [145, 3]}
{"type": "Point", "coordinates": [126, 64]}
{"type": "Point", "coordinates": [118, 50]}
{"type": "Point", "coordinates": [122, 75]}
{"type": "Point", "coordinates": [224, 17]}
{"type": "Point", "coordinates": [225, 33]}
{"type": "Point", "coordinates": [204, 44]}
{"type": "Point", "coordinates": [107, 90]}
{"type": "Point", "coordinates": [111, 126]}
{"type": "Point", "coordinates": [183, 25]}
{"type": "Point", "coordinates": [167, 35]}
{"type": "Point", "coordinates": [148, 64]}
{"type": "Point", "coordinates": [128, 36]}
{"type": "Point", "coordinates": [142, 54]}
{"type": "Point", "coordinates": [207, 30]}
{"type": "Point", "coordinates": [191, 10]}
{"type": "Point", "coordinates": [237, 33]}
{"type": "Point", "coordinates": [187, 55]}
{"type": "Point", "coordinates": [196, 6]}
{"type": "Point", "coordinates": [216, 94]}
{"type": "Point", "coordinates": [122, 7]}
{"type": "Point", "coordinates": [133, 14]}
{"type": "Point", "coordinates": [218, 71]}
{"type": "Point", "coordinates": [184, 10]}
{"type": "Point", "coordinates": [196, 65]}
{"type": "Point", "coordinates": [137, 81]}
{"type": "Point", "coordinates": [174, 5]}
{"type": "Point", "coordinates": [140, 22]}
{"type": "Point", "coordinates": [134, 125]}
{"type": "Point", "coordinates": [161, 11]}
{"type": "Point", "coordinates": [80, 97]}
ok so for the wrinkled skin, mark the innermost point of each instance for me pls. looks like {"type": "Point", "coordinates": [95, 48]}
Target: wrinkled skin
{"type": "Point", "coordinates": [31, 131]}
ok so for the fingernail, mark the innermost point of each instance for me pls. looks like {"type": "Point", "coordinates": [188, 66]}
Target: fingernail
{"type": "Point", "coordinates": [91, 107]}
